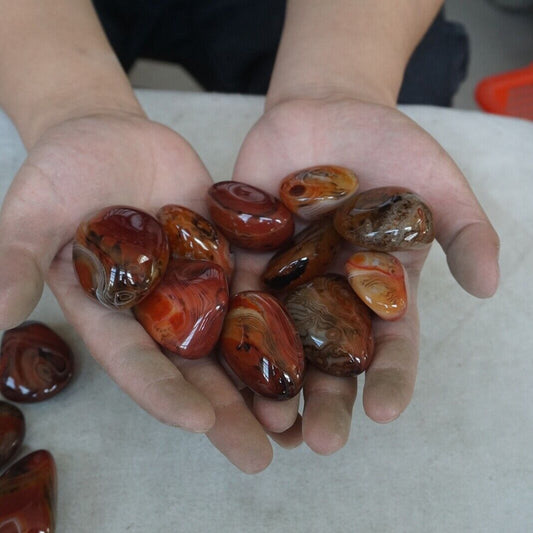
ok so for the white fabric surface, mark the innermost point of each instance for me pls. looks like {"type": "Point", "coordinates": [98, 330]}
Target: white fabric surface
{"type": "Point", "coordinates": [459, 459]}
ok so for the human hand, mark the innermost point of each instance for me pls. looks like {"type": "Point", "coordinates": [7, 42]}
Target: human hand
{"type": "Point", "coordinates": [74, 169]}
{"type": "Point", "coordinates": [384, 147]}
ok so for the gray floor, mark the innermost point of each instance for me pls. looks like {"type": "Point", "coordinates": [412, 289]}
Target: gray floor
{"type": "Point", "coordinates": [500, 41]}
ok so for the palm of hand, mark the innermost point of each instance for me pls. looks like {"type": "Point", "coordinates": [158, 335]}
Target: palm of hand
{"type": "Point", "coordinates": [384, 147]}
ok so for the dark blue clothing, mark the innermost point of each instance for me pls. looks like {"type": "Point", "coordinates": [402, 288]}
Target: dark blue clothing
{"type": "Point", "coordinates": [230, 45]}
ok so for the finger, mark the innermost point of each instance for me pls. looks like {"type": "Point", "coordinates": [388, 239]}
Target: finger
{"type": "Point", "coordinates": [236, 433]}
{"type": "Point", "coordinates": [290, 438]}
{"type": "Point", "coordinates": [327, 415]}
{"type": "Point", "coordinates": [130, 357]}
{"type": "Point", "coordinates": [390, 379]}
{"type": "Point", "coordinates": [26, 249]}
{"type": "Point", "coordinates": [276, 416]}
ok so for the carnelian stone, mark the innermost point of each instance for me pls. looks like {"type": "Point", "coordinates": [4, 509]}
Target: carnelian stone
{"type": "Point", "coordinates": [261, 346]}
{"type": "Point", "coordinates": [379, 280]}
{"type": "Point", "coordinates": [28, 494]}
{"type": "Point", "coordinates": [308, 255]}
{"type": "Point", "coordinates": [249, 217]}
{"type": "Point", "coordinates": [185, 312]}
{"type": "Point", "coordinates": [12, 431]}
{"type": "Point", "coordinates": [120, 254]}
{"type": "Point", "coordinates": [386, 219]}
{"type": "Point", "coordinates": [192, 236]}
{"type": "Point", "coordinates": [314, 191]}
{"type": "Point", "coordinates": [35, 363]}
{"type": "Point", "coordinates": [334, 325]}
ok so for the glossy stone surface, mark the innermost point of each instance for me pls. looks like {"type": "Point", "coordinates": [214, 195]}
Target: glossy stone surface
{"type": "Point", "coordinates": [307, 256]}
{"type": "Point", "coordinates": [185, 312]}
{"type": "Point", "coordinates": [314, 191]}
{"type": "Point", "coordinates": [249, 217]}
{"type": "Point", "coordinates": [379, 280]}
{"type": "Point", "coordinates": [120, 254]}
{"type": "Point", "coordinates": [192, 236]}
{"type": "Point", "coordinates": [35, 363]}
{"type": "Point", "coordinates": [12, 431]}
{"type": "Point", "coordinates": [334, 325]}
{"type": "Point", "coordinates": [28, 494]}
{"type": "Point", "coordinates": [261, 346]}
{"type": "Point", "coordinates": [386, 219]}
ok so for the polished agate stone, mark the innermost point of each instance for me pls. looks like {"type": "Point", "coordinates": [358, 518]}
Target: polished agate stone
{"type": "Point", "coordinates": [312, 192]}
{"type": "Point", "coordinates": [386, 219]}
{"type": "Point", "coordinates": [185, 312]}
{"type": "Point", "coordinates": [191, 236]}
{"type": "Point", "coordinates": [334, 325]}
{"type": "Point", "coordinates": [28, 494]}
{"type": "Point", "coordinates": [35, 363]}
{"type": "Point", "coordinates": [12, 431]}
{"type": "Point", "coordinates": [308, 255]}
{"type": "Point", "coordinates": [261, 346]}
{"type": "Point", "coordinates": [379, 280]}
{"type": "Point", "coordinates": [249, 217]}
{"type": "Point", "coordinates": [120, 254]}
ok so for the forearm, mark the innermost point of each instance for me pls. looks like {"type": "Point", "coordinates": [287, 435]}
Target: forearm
{"type": "Point", "coordinates": [357, 47]}
{"type": "Point", "coordinates": [56, 64]}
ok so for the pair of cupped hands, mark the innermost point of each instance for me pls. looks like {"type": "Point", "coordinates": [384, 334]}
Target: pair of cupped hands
{"type": "Point", "coordinates": [83, 164]}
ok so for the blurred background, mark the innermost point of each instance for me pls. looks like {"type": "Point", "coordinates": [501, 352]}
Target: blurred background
{"type": "Point", "coordinates": [500, 40]}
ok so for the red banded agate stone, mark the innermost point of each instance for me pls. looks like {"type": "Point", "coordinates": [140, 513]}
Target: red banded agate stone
{"type": "Point", "coordinates": [120, 254]}
{"type": "Point", "coordinates": [35, 363]}
{"type": "Point", "coordinates": [249, 217]}
{"type": "Point", "coordinates": [334, 325]}
{"type": "Point", "coordinates": [307, 256]}
{"type": "Point", "coordinates": [314, 191]}
{"type": "Point", "coordinates": [379, 280]}
{"type": "Point", "coordinates": [185, 312]}
{"type": "Point", "coordinates": [192, 236]}
{"type": "Point", "coordinates": [28, 494]}
{"type": "Point", "coordinates": [12, 431]}
{"type": "Point", "coordinates": [386, 219]}
{"type": "Point", "coordinates": [261, 346]}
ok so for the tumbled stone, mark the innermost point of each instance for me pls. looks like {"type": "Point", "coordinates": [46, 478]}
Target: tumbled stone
{"type": "Point", "coordinates": [192, 236]}
{"type": "Point", "coordinates": [35, 363]}
{"type": "Point", "coordinates": [185, 312]}
{"type": "Point", "coordinates": [379, 280]}
{"type": "Point", "coordinates": [314, 191]}
{"type": "Point", "coordinates": [249, 217]}
{"type": "Point", "coordinates": [28, 494]}
{"type": "Point", "coordinates": [334, 325]}
{"type": "Point", "coordinates": [386, 219]}
{"type": "Point", "coordinates": [12, 431]}
{"type": "Point", "coordinates": [120, 254]}
{"type": "Point", "coordinates": [261, 346]}
{"type": "Point", "coordinates": [308, 255]}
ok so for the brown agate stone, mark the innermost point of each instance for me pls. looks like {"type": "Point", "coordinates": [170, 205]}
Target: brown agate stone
{"type": "Point", "coordinates": [249, 217]}
{"type": "Point", "coordinates": [28, 493]}
{"type": "Point", "coordinates": [12, 431]}
{"type": "Point", "coordinates": [379, 280]}
{"type": "Point", "coordinates": [261, 346]}
{"type": "Point", "coordinates": [334, 325]}
{"type": "Point", "coordinates": [120, 254]}
{"type": "Point", "coordinates": [185, 312]}
{"type": "Point", "coordinates": [35, 363]}
{"type": "Point", "coordinates": [308, 255]}
{"type": "Point", "coordinates": [386, 219]}
{"type": "Point", "coordinates": [312, 192]}
{"type": "Point", "coordinates": [192, 236]}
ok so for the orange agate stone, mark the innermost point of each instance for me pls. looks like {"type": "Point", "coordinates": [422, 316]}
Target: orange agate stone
{"type": "Point", "coordinates": [314, 191]}
{"type": "Point", "coordinates": [28, 495]}
{"type": "Point", "coordinates": [192, 236]}
{"type": "Point", "coordinates": [261, 346]}
{"type": "Point", "coordinates": [379, 280]}
{"type": "Point", "coordinates": [185, 312]}
{"type": "Point", "coordinates": [12, 431]}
